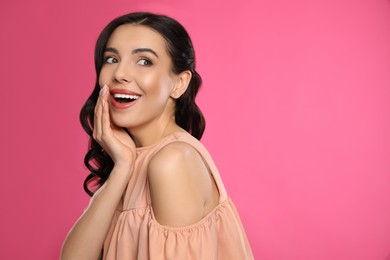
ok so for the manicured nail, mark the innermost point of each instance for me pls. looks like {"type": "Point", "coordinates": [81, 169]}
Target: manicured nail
{"type": "Point", "coordinates": [103, 91]}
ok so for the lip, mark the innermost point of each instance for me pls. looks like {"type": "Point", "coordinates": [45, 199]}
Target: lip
{"type": "Point", "coordinates": [123, 91]}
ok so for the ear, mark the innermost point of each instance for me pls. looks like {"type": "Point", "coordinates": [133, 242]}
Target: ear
{"type": "Point", "coordinates": [181, 85]}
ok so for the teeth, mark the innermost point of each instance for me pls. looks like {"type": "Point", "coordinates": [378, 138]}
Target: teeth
{"type": "Point", "coordinates": [126, 96]}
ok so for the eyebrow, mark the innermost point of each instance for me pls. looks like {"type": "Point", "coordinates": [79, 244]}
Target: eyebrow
{"type": "Point", "coordinates": [135, 51]}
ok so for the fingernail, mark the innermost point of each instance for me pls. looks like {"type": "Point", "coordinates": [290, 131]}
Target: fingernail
{"type": "Point", "coordinates": [103, 91]}
{"type": "Point", "coordinates": [103, 103]}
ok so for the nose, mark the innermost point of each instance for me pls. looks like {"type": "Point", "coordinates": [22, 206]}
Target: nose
{"type": "Point", "coordinates": [122, 73]}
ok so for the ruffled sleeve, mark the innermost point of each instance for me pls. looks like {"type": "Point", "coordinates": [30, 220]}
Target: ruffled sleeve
{"type": "Point", "coordinates": [219, 235]}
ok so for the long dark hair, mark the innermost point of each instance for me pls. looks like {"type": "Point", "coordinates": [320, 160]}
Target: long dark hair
{"type": "Point", "coordinates": [187, 113]}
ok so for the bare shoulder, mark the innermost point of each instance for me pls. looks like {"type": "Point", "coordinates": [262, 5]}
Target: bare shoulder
{"type": "Point", "coordinates": [180, 185]}
{"type": "Point", "coordinates": [179, 164]}
{"type": "Point", "coordinates": [175, 154]}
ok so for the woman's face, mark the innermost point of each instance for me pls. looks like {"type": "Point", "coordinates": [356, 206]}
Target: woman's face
{"type": "Point", "coordinates": [138, 72]}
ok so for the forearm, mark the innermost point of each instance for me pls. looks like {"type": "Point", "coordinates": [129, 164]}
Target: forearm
{"type": "Point", "coordinates": [86, 238]}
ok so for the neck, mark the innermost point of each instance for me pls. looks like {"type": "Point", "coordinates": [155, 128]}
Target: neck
{"type": "Point", "coordinates": [154, 132]}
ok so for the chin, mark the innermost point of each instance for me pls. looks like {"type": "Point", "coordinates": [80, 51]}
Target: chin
{"type": "Point", "coordinates": [121, 120]}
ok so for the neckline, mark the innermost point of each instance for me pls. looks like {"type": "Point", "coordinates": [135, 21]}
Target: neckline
{"type": "Point", "coordinates": [147, 147]}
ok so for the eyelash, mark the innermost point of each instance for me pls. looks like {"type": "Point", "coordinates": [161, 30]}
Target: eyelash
{"type": "Point", "coordinates": [106, 60]}
{"type": "Point", "coordinates": [149, 62]}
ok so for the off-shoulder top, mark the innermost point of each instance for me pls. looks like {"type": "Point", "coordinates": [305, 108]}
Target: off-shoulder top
{"type": "Point", "coordinates": [135, 234]}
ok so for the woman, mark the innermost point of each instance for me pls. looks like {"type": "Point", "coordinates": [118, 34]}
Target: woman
{"type": "Point", "coordinates": [158, 194]}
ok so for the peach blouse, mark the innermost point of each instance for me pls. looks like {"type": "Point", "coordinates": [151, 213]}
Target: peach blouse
{"type": "Point", "coordinates": [134, 233]}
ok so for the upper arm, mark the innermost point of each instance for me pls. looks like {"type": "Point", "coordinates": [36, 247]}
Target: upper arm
{"type": "Point", "coordinates": [179, 185]}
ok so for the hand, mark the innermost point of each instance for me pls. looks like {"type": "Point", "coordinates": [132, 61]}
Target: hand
{"type": "Point", "coordinates": [114, 140]}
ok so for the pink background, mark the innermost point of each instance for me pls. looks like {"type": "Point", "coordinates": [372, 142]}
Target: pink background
{"type": "Point", "coordinates": [297, 101]}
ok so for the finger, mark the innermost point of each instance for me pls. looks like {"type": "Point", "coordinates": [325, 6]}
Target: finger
{"type": "Point", "coordinates": [105, 119]}
{"type": "Point", "coordinates": [98, 117]}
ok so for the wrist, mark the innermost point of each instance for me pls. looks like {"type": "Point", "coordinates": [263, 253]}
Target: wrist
{"type": "Point", "coordinates": [123, 167]}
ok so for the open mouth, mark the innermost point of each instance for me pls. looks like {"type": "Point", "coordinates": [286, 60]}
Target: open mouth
{"type": "Point", "coordinates": [125, 98]}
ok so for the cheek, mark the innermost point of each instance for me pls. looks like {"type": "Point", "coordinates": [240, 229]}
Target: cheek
{"type": "Point", "coordinates": [104, 77]}
{"type": "Point", "coordinates": [158, 85]}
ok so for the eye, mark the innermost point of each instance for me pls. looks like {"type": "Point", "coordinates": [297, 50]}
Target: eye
{"type": "Point", "coordinates": [145, 62]}
{"type": "Point", "coordinates": [110, 60]}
